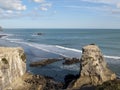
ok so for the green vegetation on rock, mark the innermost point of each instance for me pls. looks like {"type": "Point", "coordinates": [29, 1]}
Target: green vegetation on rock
{"type": "Point", "coordinates": [4, 60]}
{"type": "Point", "coordinates": [23, 57]}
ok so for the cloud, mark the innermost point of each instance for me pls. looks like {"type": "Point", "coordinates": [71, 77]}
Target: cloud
{"type": "Point", "coordinates": [108, 6]}
{"type": "Point", "coordinates": [11, 8]}
{"type": "Point", "coordinates": [101, 1]}
{"type": "Point", "coordinates": [15, 8]}
{"type": "Point", "coordinates": [118, 5]}
{"type": "Point", "coordinates": [12, 5]}
{"type": "Point", "coordinates": [44, 6]}
{"type": "Point", "coordinates": [39, 1]}
{"type": "Point", "coordinates": [8, 14]}
{"type": "Point", "coordinates": [90, 8]}
{"type": "Point", "coordinates": [115, 3]}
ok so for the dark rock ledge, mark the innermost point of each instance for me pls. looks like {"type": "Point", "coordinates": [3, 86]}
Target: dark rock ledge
{"type": "Point", "coordinates": [44, 62]}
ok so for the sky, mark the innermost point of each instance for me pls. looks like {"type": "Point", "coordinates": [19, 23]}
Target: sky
{"type": "Point", "coordinates": [60, 14]}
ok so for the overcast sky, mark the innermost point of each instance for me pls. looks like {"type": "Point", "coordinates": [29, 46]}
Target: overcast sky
{"type": "Point", "coordinates": [60, 13]}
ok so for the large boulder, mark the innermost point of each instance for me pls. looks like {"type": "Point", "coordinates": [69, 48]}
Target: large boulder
{"type": "Point", "coordinates": [12, 65]}
{"type": "Point", "coordinates": [93, 68]}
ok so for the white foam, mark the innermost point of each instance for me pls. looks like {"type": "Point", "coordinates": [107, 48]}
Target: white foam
{"type": "Point", "coordinates": [71, 49]}
{"type": "Point", "coordinates": [73, 67]}
{"type": "Point", "coordinates": [34, 35]}
{"type": "Point", "coordinates": [112, 57]}
{"type": "Point", "coordinates": [47, 48]}
{"type": "Point", "coordinates": [62, 50]}
{"type": "Point", "coordinates": [56, 49]}
{"type": "Point", "coordinates": [13, 40]}
{"type": "Point", "coordinates": [5, 35]}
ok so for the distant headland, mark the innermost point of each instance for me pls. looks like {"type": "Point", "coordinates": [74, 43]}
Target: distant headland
{"type": "Point", "coordinates": [1, 29]}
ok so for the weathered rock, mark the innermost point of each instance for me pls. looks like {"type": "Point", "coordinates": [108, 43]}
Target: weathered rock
{"type": "Point", "coordinates": [12, 65]}
{"type": "Point", "coordinates": [109, 85]}
{"type": "Point", "coordinates": [35, 82]}
{"type": "Point", "coordinates": [94, 70]}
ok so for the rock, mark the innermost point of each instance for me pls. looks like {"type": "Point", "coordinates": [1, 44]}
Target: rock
{"type": "Point", "coordinates": [42, 63]}
{"type": "Point", "coordinates": [35, 82]}
{"type": "Point", "coordinates": [2, 36]}
{"type": "Point", "coordinates": [12, 65]}
{"type": "Point", "coordinates": [39, 33]}
{"type": "Point", "coordinates": [93, 68]}
{"type": "Point", "coordinates": [13, 75]}
{"type": "Point", "coordinates": [69, 61]}
{"type": "Point", "coordinates": [68, 78]}
{"type": "Point", "coordinates": [109, 85]}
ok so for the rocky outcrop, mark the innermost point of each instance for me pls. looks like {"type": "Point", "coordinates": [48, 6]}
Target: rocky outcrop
{"type": "Point", "coordinates": [12, 65]}
{"type": "Point", "coordinates": [69, 61]}
{"type": "Point", "coordinates": [93, 68]}
{"type": "Point", "coordinates": [109, 85]}
{"type": "Point", "coordinates": [35, 82]}
{"type": "Point", "coordinates": [44, 62]}
{"type": "Point", "coordinates": [2, 36]}
{"type": "Point", "coordinates": [13, 75]}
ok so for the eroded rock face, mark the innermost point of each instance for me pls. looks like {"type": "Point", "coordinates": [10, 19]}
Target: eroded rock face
{"type": "Point", "coordinates": [12, 65]}
{"type": "Point", "coordinates": [94, 69]}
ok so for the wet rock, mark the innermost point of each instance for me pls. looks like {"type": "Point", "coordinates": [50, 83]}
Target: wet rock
{"type": "Point", "coordinates": [42, 63]}
{"type": "Point", "coordinates": [69, 61]}
{"type": "Point", "coordinates": [94, 70]}
{"type": "Point", "coordinates": [39, 33]}
{"type": "Point", "coordinates": [2, 36]}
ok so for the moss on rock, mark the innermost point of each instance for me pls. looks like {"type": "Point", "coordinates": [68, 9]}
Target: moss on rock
{"type": "Point", "coordinates": [23, 57]}
{"type": "Point", "coordinates": [4, 60]}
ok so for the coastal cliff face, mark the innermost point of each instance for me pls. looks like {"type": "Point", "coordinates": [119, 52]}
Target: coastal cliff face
{"type": "Point", "coordinates": [94, 70]}
{"type": "Point", "coordinates": [12, 65]}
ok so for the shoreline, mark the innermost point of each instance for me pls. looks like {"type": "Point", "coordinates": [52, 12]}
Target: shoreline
{"type": "Point", "coordinates": [35, 54]}
{"type": "Point", "coordinates": [2, 36]}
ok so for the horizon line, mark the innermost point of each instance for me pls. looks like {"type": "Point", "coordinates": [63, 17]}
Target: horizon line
{"type": "Point", "coordinates": [58, 28]}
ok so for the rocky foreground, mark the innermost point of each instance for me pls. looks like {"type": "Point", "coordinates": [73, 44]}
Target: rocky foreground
{"type": "Point", "coordinates": [94, 73]}
{"type": "Point", "coordinates": [12, 65]}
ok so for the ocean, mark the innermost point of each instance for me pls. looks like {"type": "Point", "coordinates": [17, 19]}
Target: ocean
{"type": "Point", "coordinates": [55, 43]}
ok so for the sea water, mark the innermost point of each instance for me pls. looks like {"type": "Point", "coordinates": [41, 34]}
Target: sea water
{"type": "Point", "coordinates": [55, 43]}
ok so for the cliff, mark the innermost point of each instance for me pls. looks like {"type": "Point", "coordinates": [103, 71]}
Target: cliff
{"type": "Point", "coordinates": [13, 75]}
{"type": "Point", "coordinates": [12, 65]}
{"type": "Point", "coordinates": [93, 72]}
{"type": "Point", "coordinates": [93, 68]}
